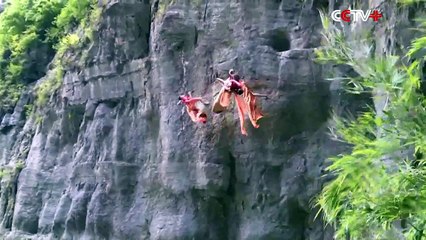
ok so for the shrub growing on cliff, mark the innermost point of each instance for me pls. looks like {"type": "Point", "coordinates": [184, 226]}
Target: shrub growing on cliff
{"type": "Point", "coordinates": [23, 25]}
{"type": "Point", "coordinates": [378, 184]}
{"type": "Point", "coordinates": [29, 25]}
{"type": "Point", "coordinates": [76, 14]}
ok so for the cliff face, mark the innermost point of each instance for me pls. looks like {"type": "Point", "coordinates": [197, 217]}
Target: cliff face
{"type": "Point", "coordinates": [113, 157]}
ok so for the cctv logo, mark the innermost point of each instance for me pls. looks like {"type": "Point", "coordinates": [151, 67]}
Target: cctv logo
{"type": "Point", "coordinates": [348, 15]}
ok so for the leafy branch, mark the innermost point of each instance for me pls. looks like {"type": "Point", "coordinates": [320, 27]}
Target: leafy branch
{"type": "Point", "coordinates": [366, 197]}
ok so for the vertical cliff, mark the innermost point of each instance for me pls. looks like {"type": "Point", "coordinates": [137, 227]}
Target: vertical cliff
{"type": "Point", "coordinates": [111, 155]}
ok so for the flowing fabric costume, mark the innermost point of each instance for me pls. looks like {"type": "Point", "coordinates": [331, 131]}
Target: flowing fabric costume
{"type": "Point", "coordinates": [195, 108]}
{"type": "Point", "coordinates": [246, 104]}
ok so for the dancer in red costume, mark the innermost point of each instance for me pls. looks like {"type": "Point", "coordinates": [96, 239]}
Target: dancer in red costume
{"type": "Point", "coordinates": [195, 106]}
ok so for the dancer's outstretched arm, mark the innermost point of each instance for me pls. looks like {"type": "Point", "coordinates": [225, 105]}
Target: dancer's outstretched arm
{"type": "Point", "coordinates": [221, 81]}
{"type": "Point", "coordinates": [261, 95]}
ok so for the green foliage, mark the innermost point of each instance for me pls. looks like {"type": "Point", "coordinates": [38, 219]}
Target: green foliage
{"type": "Point", "coordinates": [49, 86]}
{"type": "Point", "coordinates": [66, 43]}
{"type": "Point", "coordinates": [72, 14]}
{"type": "Point", "coordinates": [38, 118]}
{"type": "Point", "coordinates": [28, 110]}
{"type": "Point", "coordinates": [19, 165]}
{"type": "Point", "coordinates": [76, 14]}
{"type": "Point", "coordinates": [26, 25]}
{"type": "Point", "coordinates": [377, 183]}
{"type": "Point", "coordinates": [163, 5]}
{"type": "Point", "coordinates": [409, 2]}
{"type": "Point", "coordinates": [22, 27]}
{"type": "Point", "coordinates": [3, 173]}
{"type": "Point", "coordinates": [11, 171]}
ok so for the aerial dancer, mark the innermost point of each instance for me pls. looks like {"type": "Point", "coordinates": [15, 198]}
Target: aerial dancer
{"type": "Point", "coordinates": [195, 107]}
{"type": "Point", "coordinates": [230, 85]}
{"type": "Point", "coordinates": [244, 98]}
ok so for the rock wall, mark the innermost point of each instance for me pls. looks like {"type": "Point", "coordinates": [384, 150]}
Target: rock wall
{"type": "Point", "coordinates": [114, 157]}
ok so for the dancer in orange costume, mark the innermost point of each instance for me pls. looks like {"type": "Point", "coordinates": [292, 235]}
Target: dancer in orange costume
{"type": "Point", "coordinates": [244, 98]}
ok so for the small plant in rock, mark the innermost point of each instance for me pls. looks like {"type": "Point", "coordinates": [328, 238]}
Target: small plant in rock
{"type": "Point", "coordinates": [11, 171]}
{"type": "Point", "coordinates": [19, 165]}
{"type": "Point", "coordinates": [38, 119]}
{"type": "Point", "coordinates": [3, 173]}
{"type": "Point", "coordinates": [163, 5]}
{"type": "Point", "coordinates": [28, 110]}
{"type": "Point", "coordinates": [49, 86]}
